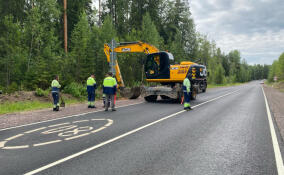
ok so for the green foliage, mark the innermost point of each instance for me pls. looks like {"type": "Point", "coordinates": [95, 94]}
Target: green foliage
{"type": "Point", "coordinates": [277, 69]}
{"type": "Point", "coordinates": [31, 39]}
{"type": "Point", "coordinates": [41, 93]}
{"type": "Point", "coordinates": [76, 90]}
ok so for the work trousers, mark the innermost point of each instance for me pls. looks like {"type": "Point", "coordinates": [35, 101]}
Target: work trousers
{"type": "Point", "coordinates": [186, 99]}
{"type": "Point", "coordinates": [109, 100]}
{"type": "Point", "coordinates": [91, 98]}
{"type": "Point", "coordinates": [55, 96]}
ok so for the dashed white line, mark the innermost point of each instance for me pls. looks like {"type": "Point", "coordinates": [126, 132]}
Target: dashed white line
{"type": "Point", "coordinates": [75, 137]}
{"type": "Point", "coordinates": [116, 138]}
{"type": "Point", "coordinates": [80, 121]}
{"type": "Point", "coordinates": [13, 137]}
{"type": "Point", "coordinates": [16, 147]}
{"type": "Point", "coordinates": [34, 130]}
{"type": "Point", "coordinates": [46, 143]}
{"type": "Point", "coordinates": [277, 152]}
{"type": "Point", "coordinates": [50, 126]}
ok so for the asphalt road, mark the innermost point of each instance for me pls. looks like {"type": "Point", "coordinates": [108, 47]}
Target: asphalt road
{"type": "Point", "coordinates": [227, 132]}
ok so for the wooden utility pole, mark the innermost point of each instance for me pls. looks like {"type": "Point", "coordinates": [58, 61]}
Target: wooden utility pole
{"type": "Point", "coordinates": [65, 25]}
{"type": "Point", "coordinates": [99, 12]}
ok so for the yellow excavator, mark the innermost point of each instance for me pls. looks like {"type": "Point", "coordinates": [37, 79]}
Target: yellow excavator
{"type": "Point", "coordinates": [157, 69]}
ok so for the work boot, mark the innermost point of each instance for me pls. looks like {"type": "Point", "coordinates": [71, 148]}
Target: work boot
{"type": "Point", "coordinates": [113, 109]}
{"type": "Point", "coordinates": [57, 108]}
{"type": "Point", "coordinates": [189, 108]}
{"type": "Point", "coordinates": [54, 109]}
{"type": "Point", "coordinates": [93, 106]}
{"type": "Point", "coordinates": [89, 106]}
{"type": "Point", "coordinates": [106, 109]}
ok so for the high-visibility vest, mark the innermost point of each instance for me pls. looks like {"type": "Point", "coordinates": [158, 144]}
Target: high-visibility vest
{"type": "Point", "coordinates": [91, 84]}
{"type": "Point", "coordinates": [109, 85]}
{"type": "Point", "coordinates": [186, 85]}
{"type": "Point", "coordinates": [55, 86]}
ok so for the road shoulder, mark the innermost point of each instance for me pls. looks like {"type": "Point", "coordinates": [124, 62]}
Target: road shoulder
{"type": "Point", "coordinates": [276, 100]}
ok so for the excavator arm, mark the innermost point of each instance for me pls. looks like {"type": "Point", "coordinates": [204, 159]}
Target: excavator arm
{"type": "Point", "coordinates": [127, 47]}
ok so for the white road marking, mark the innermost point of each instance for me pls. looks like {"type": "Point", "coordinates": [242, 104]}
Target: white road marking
{"type": "Point", "coordinates": [80, 121]}
{"type": "Point", "coordinates": [46, 143]}
{"type": "Point", "coordinates": [16, 147]}
{"type": "Point", "coordinates": [75, 137]}
{"type": "Point", "coordinates": [277, 152]}
{"type": "Point", "coordinates": [116, 138]}
{"type": "Point", "coordinates": [13, 137]}
{"type": "Point", "coordinates": [58, 124]}
{"type": "Point", "coordinates": [97, 130]}
{"type": "Point", "coordinates": [34, 130]}
{"type": "Point", "coordinates": [2, 144]}
{"type": "Point", "coordinates": [77, 115]}
{"type": "Point", "coordinates": [63, 130]}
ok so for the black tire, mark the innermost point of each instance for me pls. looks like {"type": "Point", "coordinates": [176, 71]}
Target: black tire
{"type": "Point", "coordinates": [165, 97]}
{"type": "Point", "coordinates": [151, 98]}
{"type": "Point", "coordinates": [204, 90]}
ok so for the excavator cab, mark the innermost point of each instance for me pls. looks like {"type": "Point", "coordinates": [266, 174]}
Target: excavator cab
{"type": "Point", "coordinates": [157, 65]}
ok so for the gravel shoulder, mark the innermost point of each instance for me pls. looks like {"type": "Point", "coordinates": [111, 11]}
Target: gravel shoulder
{"type": "Point", "coordinates": [22, 118]}
{"type": "Point", "coordinates": [276, 103]}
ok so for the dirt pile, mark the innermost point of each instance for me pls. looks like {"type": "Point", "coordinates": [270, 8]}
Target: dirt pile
{"type": "Point", "coordinates": [27, 96]}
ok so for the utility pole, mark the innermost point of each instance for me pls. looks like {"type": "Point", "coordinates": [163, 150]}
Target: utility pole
{"type": "Point", "coordinates": [99, 12]}
{"type": "Point", "coordinates": [65, 25]}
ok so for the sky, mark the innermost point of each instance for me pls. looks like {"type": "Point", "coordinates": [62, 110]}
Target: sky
{"type": "Point", "coordinates": [254, 27]}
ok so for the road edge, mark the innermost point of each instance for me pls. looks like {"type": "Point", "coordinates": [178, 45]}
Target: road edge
{"type": "Point", "coordinates": [276, 148]}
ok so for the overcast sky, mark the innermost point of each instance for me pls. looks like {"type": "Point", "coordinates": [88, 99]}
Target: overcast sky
{"type": "Point", "coordinates": [254, 27]}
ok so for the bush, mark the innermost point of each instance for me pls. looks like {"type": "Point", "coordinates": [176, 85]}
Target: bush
{"type": "Point", "coordinates": [12, 88]}
{"type": "Point", "coordinates": [41, 93]}
{"type": "Point", "coordinates": [76, 90]}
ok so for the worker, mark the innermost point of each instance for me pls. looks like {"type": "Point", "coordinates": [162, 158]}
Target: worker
{"type": "Point", "coordinates": [91, 89]}
{"type": "Point", "coordinates": [109, 89]}
{"type": "Point", "coordinates": [55, 86]}
{"type": "Point", "coordinates": [186, 92]}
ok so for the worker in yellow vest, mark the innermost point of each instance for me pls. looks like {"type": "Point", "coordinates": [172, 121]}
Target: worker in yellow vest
{"type": "Point", "coordinates": [109, 89]}
{"type": "Point", "coordinates": [91, 89]}
{"type": "Point", "coordinates": [55, 86]}
{"type": "Point", "coordinates": [186, 92]}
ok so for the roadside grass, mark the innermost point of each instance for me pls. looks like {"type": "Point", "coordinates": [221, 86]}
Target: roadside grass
{"type": "Point", "coordinates": [276, 85]}
{"type": "Point", "coordinates": [11, 107]}
{"type": "Point", "coordinates": [223, 85]}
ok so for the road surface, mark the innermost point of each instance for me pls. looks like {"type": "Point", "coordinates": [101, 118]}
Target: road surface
{"type": "Point", "coordinates": [227, 132]}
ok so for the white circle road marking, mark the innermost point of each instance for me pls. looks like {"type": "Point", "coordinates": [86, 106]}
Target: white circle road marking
{"type": "Point", "coordinates": [65, 132]}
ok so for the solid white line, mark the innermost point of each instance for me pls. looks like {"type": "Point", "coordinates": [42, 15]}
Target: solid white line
{"type": "Point", "coordinates": [65, 117]}
{"type": "Point", "coordinates": [114, 139]}
{"type": "Point", "coordinates": [277, 152]}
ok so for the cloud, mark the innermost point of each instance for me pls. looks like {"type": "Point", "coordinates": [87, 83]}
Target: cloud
{"type": "Point", "coordinates": [255, 27]}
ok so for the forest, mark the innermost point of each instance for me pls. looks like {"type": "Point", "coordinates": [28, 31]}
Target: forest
{"type": "Point", "coordinates": [32, 42]}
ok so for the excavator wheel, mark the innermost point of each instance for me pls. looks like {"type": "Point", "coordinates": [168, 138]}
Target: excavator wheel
{"type": "Point", "coordinates": [130, 93]}
{"type": "Point", "coordinates": [151, 98]}
{"type": "Point", "coordinates": [165, 97]}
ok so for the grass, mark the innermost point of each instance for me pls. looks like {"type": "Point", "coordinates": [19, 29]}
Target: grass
{"type": "Point", "coordinates": [223, 85]}
{"type": "Point", "coordinates": [9, 107]}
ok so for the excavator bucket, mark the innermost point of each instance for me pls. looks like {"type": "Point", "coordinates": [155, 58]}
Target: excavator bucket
{"type": "Point", "coordinates": [131, 93]}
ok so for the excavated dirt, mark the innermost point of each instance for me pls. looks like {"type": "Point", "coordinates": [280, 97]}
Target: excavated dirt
{"type": "Point", "coordinates": [275, 97]}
